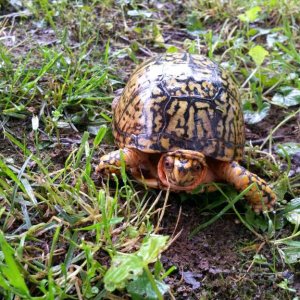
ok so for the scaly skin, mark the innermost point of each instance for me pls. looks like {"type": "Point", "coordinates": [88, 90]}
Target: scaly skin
{"type": "Point", "coordinates": [187, 171]}
{"type": "Point", "coordinates": [135, 162]}
{"type": "Point", "coordinates": [184, 170]}
{"type": "Point", "coordinates": [260, 196]}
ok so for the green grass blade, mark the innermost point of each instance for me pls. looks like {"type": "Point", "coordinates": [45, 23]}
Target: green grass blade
{"type": "Point", "coordinates": [11, 270]}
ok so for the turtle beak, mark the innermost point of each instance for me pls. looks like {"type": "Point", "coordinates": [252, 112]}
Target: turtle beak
{"type": "Point", "coordinates": [181, 172]}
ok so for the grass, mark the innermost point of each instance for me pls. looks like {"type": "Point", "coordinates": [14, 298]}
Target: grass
{"type": "Point", "coordinates": [81, 222]}
{"type": "Point", "coordinates": [67, 235]}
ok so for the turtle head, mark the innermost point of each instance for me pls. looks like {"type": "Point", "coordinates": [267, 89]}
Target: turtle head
{"type": "Point", "coordinates": [182, 169]}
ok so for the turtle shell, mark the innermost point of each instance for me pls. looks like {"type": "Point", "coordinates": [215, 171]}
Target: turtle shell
{"type": "Point", "coordinates": [180, 101]}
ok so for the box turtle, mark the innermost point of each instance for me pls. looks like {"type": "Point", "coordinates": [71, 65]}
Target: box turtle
{"type": "Point", "coordinates": [179, 124]}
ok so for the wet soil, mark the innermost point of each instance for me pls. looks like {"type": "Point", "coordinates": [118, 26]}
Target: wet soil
{"type": "Point", "coordinates": [288, 132]}
{"type": "Point", "coordinates": [217, 263]}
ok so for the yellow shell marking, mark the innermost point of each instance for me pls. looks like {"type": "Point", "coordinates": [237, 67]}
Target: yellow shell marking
{"type": "Point", "coordinates": [181, 101]}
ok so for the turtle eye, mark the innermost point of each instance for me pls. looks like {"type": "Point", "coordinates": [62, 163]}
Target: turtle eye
{"type": "Point", "coordinates": [169, 163]}
{"type": "Point", "coordinates": [197, 166]}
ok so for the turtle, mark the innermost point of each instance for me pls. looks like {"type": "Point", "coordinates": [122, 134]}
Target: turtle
{"type": "Point", "coordinates": [178, 123]}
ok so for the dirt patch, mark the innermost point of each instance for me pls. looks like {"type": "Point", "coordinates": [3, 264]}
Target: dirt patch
{"type": "Point", "coordinates": [216, 263]}
{"type": "Point", "coordinates": [288, 132]}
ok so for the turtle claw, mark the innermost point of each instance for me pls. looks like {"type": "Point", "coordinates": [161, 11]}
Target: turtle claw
{"type": "Point", "coordinates": [109, 164]}
{"type": "Point", "coordinates": [260, 196]}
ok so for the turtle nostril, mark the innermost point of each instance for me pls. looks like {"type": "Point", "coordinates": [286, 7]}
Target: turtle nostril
{"type": "Point", "coordinates": [182, 169]}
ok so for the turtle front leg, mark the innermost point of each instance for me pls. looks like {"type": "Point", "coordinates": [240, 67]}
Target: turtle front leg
{"type": "Point", "coordinates": [111, 162]}
{"type": "Point", "coordinates": [260, 196]}
{"type": "Point", "coordinates": [136, 162]}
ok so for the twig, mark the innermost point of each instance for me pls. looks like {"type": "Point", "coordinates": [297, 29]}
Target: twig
{"type": "Point", "coordinates": [24, 13]}
{"type": "Point", "coordinates": [279, 125]}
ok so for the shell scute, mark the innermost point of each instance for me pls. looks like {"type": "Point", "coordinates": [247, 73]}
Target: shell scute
{"type": "Point", "coordinates": [181, 101]}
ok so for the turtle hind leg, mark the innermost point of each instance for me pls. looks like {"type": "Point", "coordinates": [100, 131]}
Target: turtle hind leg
{"type": "Point", "coordinates": [260, 196]}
